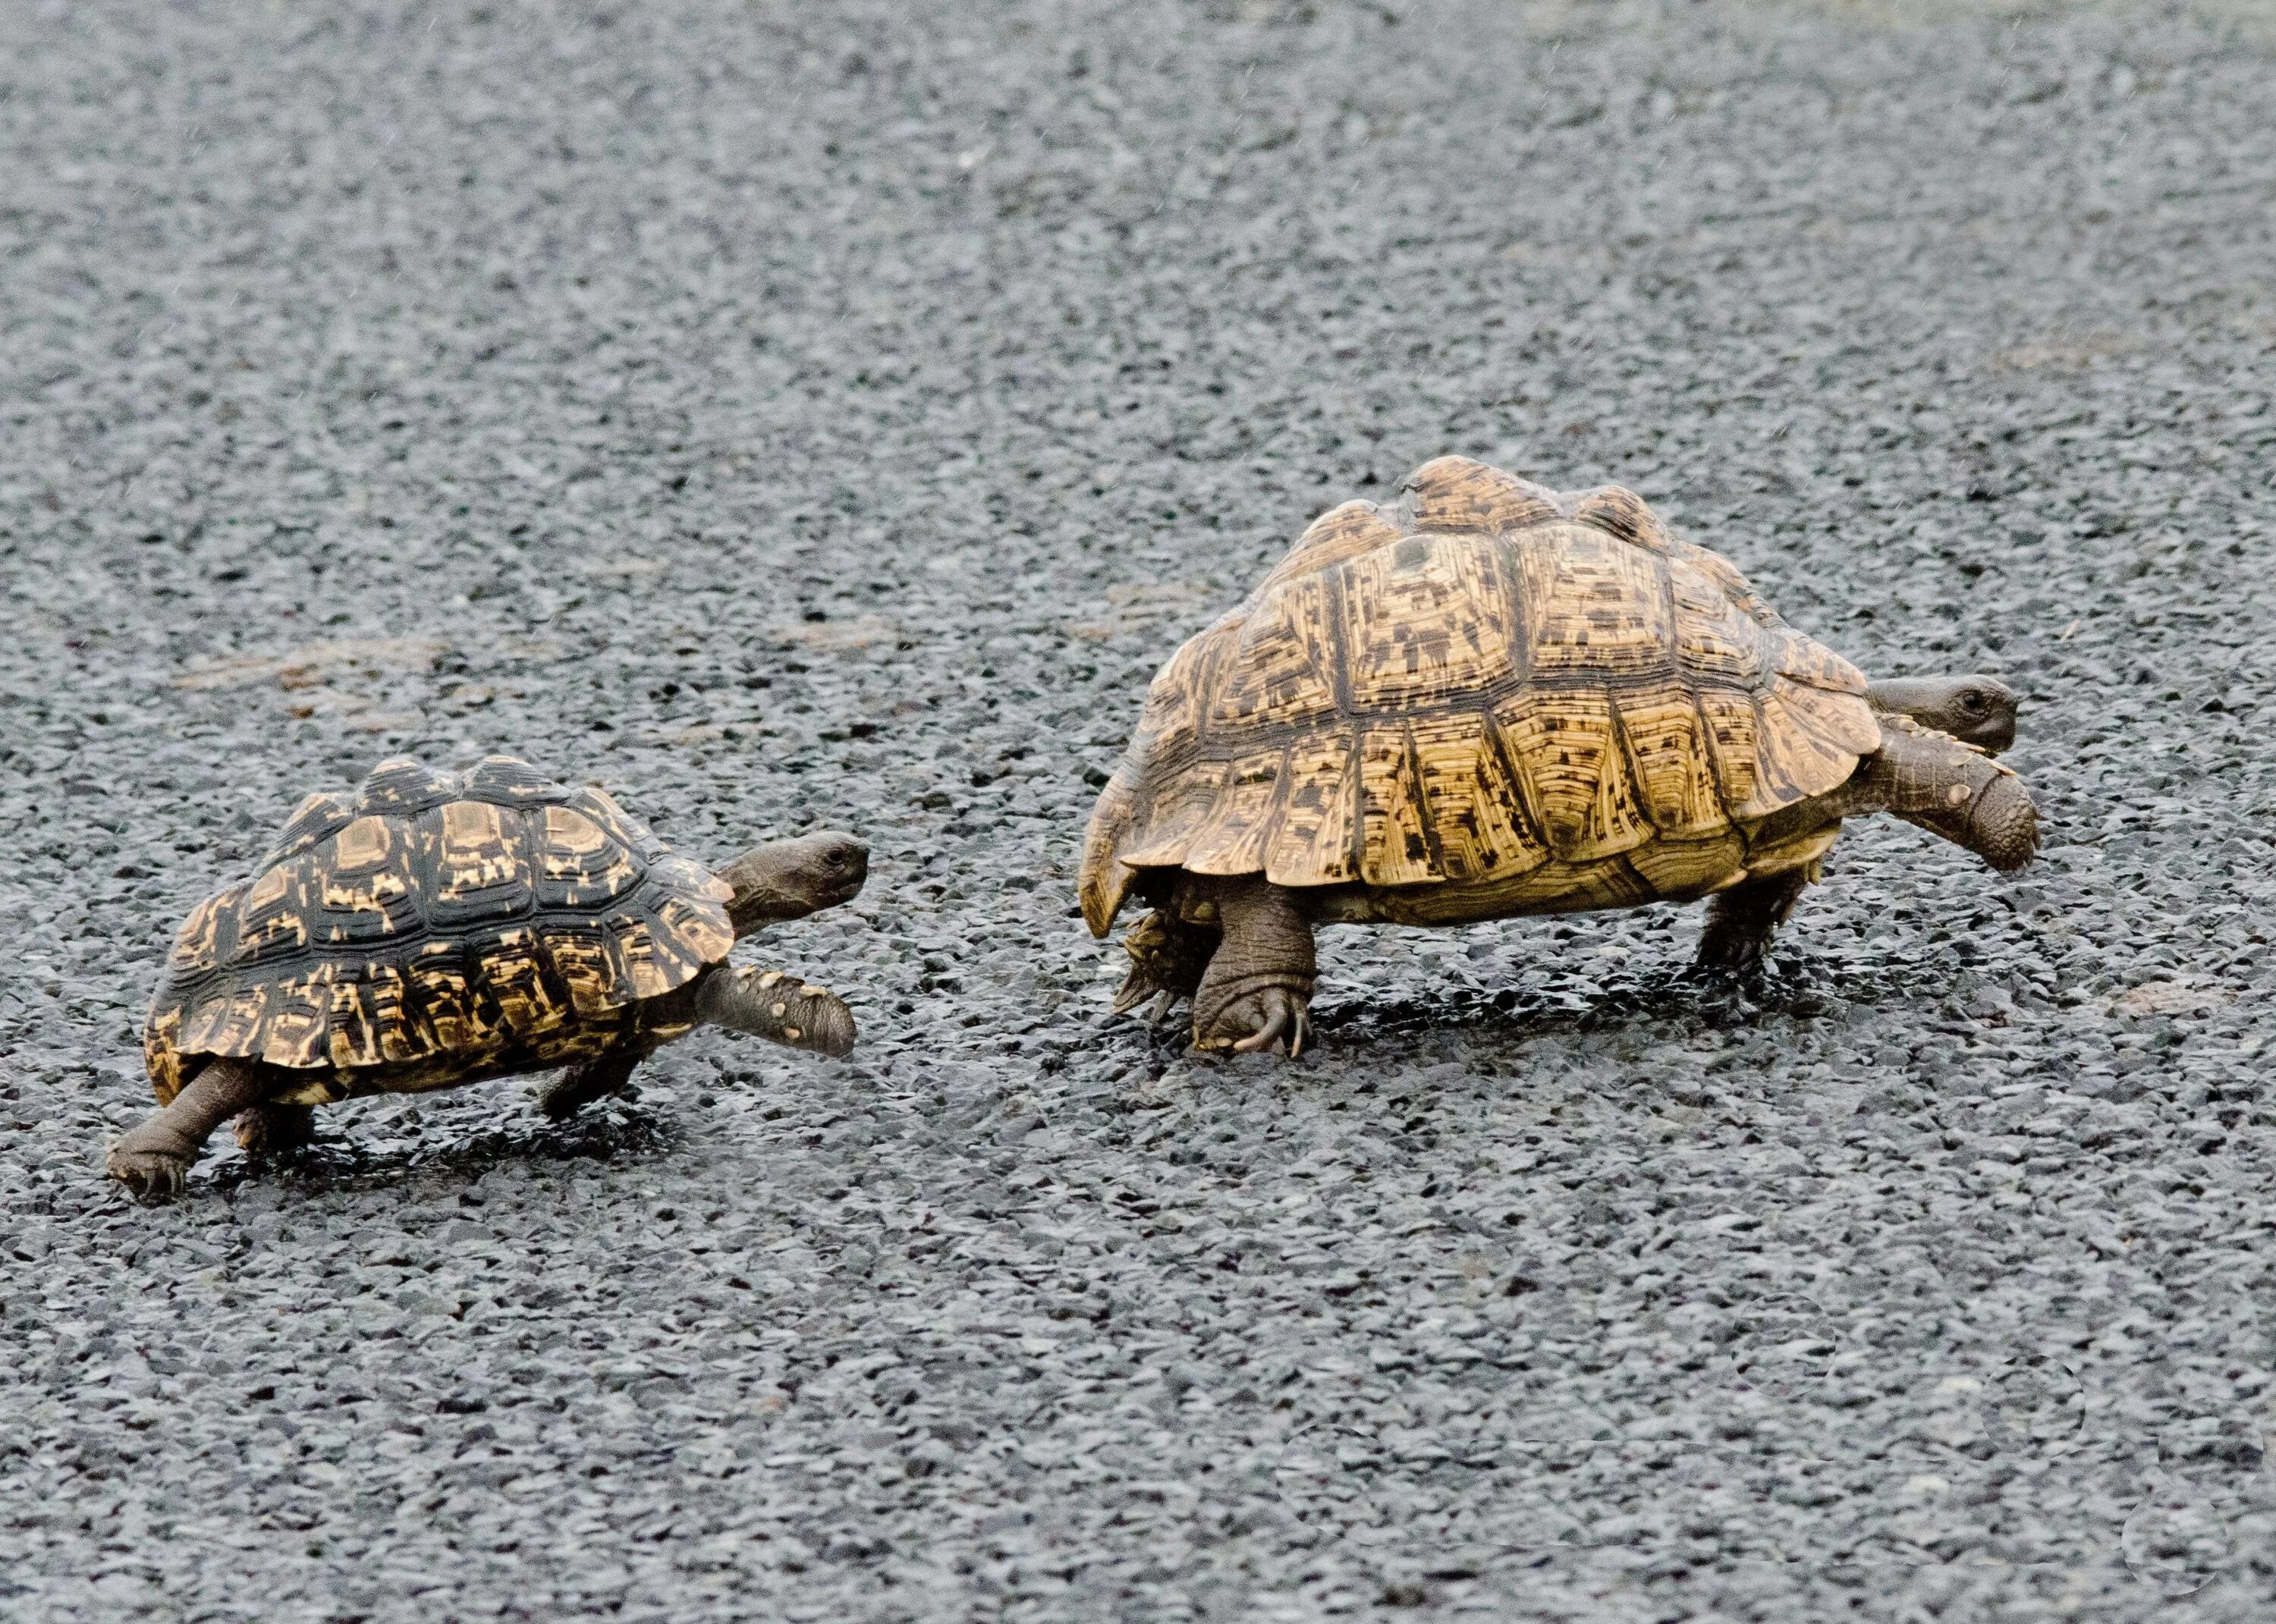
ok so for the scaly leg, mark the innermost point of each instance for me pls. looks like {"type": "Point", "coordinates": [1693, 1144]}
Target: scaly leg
{"type": "Point", "coordinates": [269, 1129]}
{"type": "Point", "coordinates": [1258, 984]}
{"type": "Point", "coordinates": [154, 1160]}
{"type": "Point", "coordinates": [776, 1005]}
{"type": "Point", "coordinates": [580, 1085]}
{"type": "Point", "coordinates": [1167, 958]}
{"type": "Point", "coordinates": [1742, 920]}
{"type": "Point", "coordinates": [1948, 789]}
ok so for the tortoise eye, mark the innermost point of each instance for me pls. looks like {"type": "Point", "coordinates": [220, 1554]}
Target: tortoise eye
{"type": "Point", "coordinates": [1972, 700]}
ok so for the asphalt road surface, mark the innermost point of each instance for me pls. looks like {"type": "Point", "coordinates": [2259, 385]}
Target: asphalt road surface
{"type": "Point", "coordinates": [801, 415]}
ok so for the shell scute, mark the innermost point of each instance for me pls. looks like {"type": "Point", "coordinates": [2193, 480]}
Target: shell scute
{"type": "Point", "coordinates": [1338, 533]}
{"type": "Point", "coordinates": [296, 1029]}
{"type": "Point", "coordinates": [1473, 805]}
{"type": "Point", "coordinates": [351, 1024]}
{"type": "Point", "coordinates": [483, 870]}
{"type": "Point", "coordinates": [1843, 722]}
{"type": "Point", "coordinates": [1619, 512]}
{"type": "Point", "coordinates": [226, 1023]}
{"type": "Point", "coordinates": [1394, 832]}
{"type": "Point", "coordinates": [1185, 799]}
{"type": "Point", "coordinates": [207, 937]}
{"type": "Point", "coordinates": [1425, 619]}
{"type": "Point", "coordinates": [586, 962]}
{"type": "Point", "coordinates": [1793, 761]}
{"type": "Point", "coordinates": [404, 784]}
{"type": "Point", "coordinates": [1732, 730]}
{"type": "Point", "coordinates": [1315, 839]}
{"type": "Point", "coordinates": [274, 919]}
{"type": "Point", "coordinates": [1107, 879]}
{"type": "Point", "coordinates": [1280, 665]}
{"type": "Point", "coordinates": [318, 818]}
{"type": "Point", "coordinates": [1231, 837]}
{"type": "Point", "coordinates": [1807, 661]}
{"type": "Point", "coordinates": [646, 959]}
{"type": "Point", "coordinates": [1715, 639]}
{"type": "Point", "coordinates": [1605, 618]}
{"type": "Point", "coordinates": [1457, 493]}
{"type": "Point", "coordinates": [510, 781]}
{"type": "Point", "coordinates": [579, 864]}
{"type": "Point", "coordinates": [635, 836]}
{"type": "Point", "coordinates": [1570, 753]}
{"type": "Point", "coordinates": [1674, 773]}
{"type": "Point", "coordinates": [513, 982]}
{"type": "Point", "coordinates": [444, 990]}
{"type": "Point", "coordinates": [358, 891]}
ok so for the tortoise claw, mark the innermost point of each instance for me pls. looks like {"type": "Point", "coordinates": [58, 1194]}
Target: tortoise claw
{"type": "Point", "coordinates": [149, 1176]}
{"type": "Point", "coordinates": [1271, 1020]}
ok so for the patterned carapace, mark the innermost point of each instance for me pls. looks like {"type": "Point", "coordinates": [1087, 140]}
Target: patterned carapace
{"type": "Point", "coordinates": [1489, 699]}
{"type": "Point", "coordinates": [433, 928]}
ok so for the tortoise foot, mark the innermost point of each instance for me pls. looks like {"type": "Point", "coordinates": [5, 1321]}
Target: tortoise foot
{"type": "Point", "coordinates": [1167, 961]}
{"type": "Point", "coordinates": [1734, 956]}
{"type": "Point", "coordinates": [580, 1085]}
{"type": "Point", "coordinates": [148, 1176]}
{"type": "Point", "coordinates": [1272, 1018]}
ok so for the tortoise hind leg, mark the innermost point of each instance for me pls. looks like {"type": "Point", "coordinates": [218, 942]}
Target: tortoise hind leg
{"type": "Point", "coordinates": [154, 1160]}
{"type": "Point", "coordinates": [271, 1130]}
{"type": "Point", "coordinates": [580, 1085]}
{"type": "Point", "coordinates": [1167, 960]}
{"type": "Point", "coordinates": [1258, 986]}
{"type": "Point", "coordinates": [1742, 920]}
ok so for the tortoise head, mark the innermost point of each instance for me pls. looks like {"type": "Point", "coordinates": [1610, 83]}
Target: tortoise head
{"type": "Point", "coordinates": [789, 879]}
{"type": "Point", "coordinates": [1978, 711]}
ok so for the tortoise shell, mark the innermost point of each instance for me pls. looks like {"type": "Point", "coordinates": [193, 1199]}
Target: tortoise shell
{"type": "Point", "coordinates": [433, 928]}
{"type": "Point", "coordinates": [1489, 699]}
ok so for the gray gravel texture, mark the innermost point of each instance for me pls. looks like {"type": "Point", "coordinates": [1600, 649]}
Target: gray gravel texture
{"type": "Point", "coordinates": [789, 416]}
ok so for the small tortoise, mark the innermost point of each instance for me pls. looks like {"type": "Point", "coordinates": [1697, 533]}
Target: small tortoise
{"type": "Point", "coordinates": [439, 929]}
{"type": "Point", "coordinates": [1494, 700]}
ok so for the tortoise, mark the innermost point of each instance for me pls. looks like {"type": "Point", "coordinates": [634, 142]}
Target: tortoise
{"type": "Point", "coordinates": [1489, 699]}
{"type": "Point", "coordinates": [433, 928]}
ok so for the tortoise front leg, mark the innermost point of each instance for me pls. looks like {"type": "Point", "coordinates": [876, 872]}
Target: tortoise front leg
{"type": "Point", "coordinates": [580, 1085]}
{"type": "Point", "coordinates": [154, 1160]}
{"type": "Point", "coordinates": [1259, 983]}
{"type": "Point", "coordinates": [776, 1005]}
{"type": "Point", "coordinates": [1742, 920]}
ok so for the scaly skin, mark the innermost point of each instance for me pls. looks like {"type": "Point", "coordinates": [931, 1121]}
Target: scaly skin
{"type": "Point", "coordinates": [1978, 711]}
{"type": "Point", "coordinates": [1741, 921]}
{"type": "Point", "coordinates": [1167, 959]}
{"type": "Point", "coordinates": [154, 1160]}
{"type": "Point", "coordinates": [272, 1128]}
{"type": "Point", "coordinates": [1258, 987]}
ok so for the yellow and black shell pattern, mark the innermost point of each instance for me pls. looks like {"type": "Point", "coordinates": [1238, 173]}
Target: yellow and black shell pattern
{"type": "Point", "coordinates": [431, 928]}
{"type": "Point", "coordinates": [1487, 699]}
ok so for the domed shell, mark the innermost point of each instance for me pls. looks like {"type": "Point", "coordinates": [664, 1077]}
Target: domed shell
{"type": "Point", "coordinates": [431, 923]}
{"type": "Point", "coordinates": [1488, 679]}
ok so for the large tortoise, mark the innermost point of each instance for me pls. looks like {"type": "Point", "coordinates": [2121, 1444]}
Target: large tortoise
{"type": "Point", "coordinates": [1489, 699]}
{"type": "Point", "coordinates": [437, 929]}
